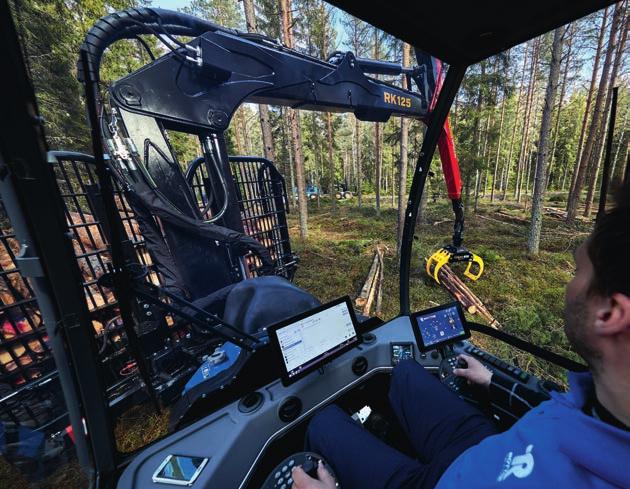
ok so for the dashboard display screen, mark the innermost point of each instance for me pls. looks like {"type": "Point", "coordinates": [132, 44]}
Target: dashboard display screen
{"type": "Point", "coordinates": [400, 352]}
{"type": "Point", "coordinates": [439, 326]}
{"type": "Point", "coordinates": [179, 470]}
{"type": "Point", "coordinates": [308, 341]}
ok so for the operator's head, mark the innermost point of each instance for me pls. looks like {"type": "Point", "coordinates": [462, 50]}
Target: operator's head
{"type": "Point", "coordinates": [597, 305]}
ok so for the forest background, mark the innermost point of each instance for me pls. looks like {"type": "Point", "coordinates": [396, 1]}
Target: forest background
{"type": "Point", "coordinates": [530, 128]}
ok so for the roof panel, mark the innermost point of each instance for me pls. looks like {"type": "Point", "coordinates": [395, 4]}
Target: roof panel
{"type": "Point", "coordinates": [468, 31]}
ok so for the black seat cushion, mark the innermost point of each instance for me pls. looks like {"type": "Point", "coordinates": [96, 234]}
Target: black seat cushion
{"type": "Point", "coordinates": [255, 304]}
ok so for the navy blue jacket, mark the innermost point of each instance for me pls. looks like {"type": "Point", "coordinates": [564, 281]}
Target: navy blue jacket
{"type": "Point", "coordinates": [555, 445]}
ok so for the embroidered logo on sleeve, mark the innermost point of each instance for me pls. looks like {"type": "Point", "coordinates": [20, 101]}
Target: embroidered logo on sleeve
{"type": "Point", "coordinates": [519, 466]}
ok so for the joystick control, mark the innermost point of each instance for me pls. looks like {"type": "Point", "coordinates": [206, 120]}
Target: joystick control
{"type": "Point", "coordinates": [280, 477]}
{"type": "Point", "coordinates": [310, 467]}
{"type": "Point", "coordinates": [452, 381]}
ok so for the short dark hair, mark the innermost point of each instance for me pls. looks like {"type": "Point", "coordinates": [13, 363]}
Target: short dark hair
{"type": "Point", "coordinates": [609, 247]}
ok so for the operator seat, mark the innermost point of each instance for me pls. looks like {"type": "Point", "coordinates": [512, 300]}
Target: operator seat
{"type": "Point", "coordinates": [206, 263]}
{"type": "Point", "coordinates": [203, 262]}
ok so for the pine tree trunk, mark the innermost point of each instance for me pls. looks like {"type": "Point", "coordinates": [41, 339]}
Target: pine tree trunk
{"type": "Point", "coordinates": [599, 147]}
{"type": "Point", "coordinates": [379, 163]}
{"type": "Point", "coordinates": [331, 162]}
{"type": "Point", "coordinates": [377, 139]}
{"type": "Point", "coordinates": [506, 181]}
{"type": "Point", "coordinates": [263, 110]}
{"type": "Point", "coordinates": [477, 134]}
{"type": "Point", "coordinates": [589, 101]}
{"type": "Point", "coordinates": [531, 166]}
{"type": "Point", "coordinates": [522, 157]}
{"type": "Point", "coordinates": [357, 132]}
{"type": "Point", "coordinates": [404, 153]}
{"type": "Point", "coordinates": [533, 242]}
{"type": "Point", "coordinates": [477, 185]}
{"type": "Point", "coordinates": [285, 141]}
{"type": "Point", "coordinates": [267, 134]}
{"type": "Point", "coordinates": [622, 133]}
{"type": "Point", "coordinates": [587, 163]}
{"type": "Point", "coordinates": [296, 137]}
{"type": "Point", "coordinates": [485, 152]}
{"type": "Point", "coordinates": [238, 133]}
{"type": "Point", "coordinates": [578, 171]}
{"type": "Point", "coordinates": [393, 186]}
{"type": "Point", "coordinates": [496, 159]}
{"type": "Point", "coordinates": [563, 87]}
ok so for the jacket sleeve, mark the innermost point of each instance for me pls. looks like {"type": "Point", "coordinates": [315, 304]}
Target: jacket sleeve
{"type": "Point", "coordinates": [514, 396]}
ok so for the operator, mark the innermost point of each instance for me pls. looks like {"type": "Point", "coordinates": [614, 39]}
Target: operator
{"type": "Point", "coordinates": [578, 439]}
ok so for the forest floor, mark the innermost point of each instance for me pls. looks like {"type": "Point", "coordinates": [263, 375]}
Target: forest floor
{"type": "Point", "coordinates": [525, 294]}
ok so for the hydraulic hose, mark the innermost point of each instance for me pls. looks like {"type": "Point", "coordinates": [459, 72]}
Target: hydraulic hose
{"type": "Point", "coordinates": [128, 24]}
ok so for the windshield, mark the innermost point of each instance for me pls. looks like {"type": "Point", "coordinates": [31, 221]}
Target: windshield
{"type": "Point", "coordinates": [323, 192]}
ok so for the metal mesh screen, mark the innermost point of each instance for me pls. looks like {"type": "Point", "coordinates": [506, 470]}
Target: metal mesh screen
{"type": "Point", "coordinates": [27, 370]}
{"type": "Point", "coordinates": [77, 182]}
{"type": "Point", "coordinates": [24, 353]}
{"type": "Point", "coordinates": [32, 408]}
{"type": "Point", "coordinates": [263, 203]}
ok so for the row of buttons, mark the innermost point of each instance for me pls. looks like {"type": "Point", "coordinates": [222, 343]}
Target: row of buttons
{"type": "Point", "coordinates": [283, 476]}
{"type": "Point", "coordinates": [506, 367]}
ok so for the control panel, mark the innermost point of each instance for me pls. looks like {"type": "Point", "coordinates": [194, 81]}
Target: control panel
{"type": "Point", "coordinates": [495, 363]}
{"type": "Point", "coordinates": [400, 352]}
{"type": "Point", "coordinates": [247, 440]}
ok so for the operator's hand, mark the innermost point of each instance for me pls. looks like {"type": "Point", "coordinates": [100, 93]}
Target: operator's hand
{"type": "Point", "coordinates": [301, 480]}
{"type": "Point", "coordinates": [475, 373]}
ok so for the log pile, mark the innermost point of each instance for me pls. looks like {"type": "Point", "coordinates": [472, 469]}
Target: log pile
{"type": "Point", "coordinates": [553, 212]}
{"type": "Point", "coordinates": [372, 287]}
{"type": "Point", "coordinates": [511, 218]}
{"type": "Point", "coordinates": [460, 292]}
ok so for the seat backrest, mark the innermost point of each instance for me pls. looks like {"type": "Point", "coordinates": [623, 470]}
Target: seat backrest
{"type": "Point", "coordinates": [263, 204]}
{"type": "Point", "coordinates": [198, 252]}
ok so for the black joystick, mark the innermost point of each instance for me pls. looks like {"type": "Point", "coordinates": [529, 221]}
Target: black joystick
{"type": "Point", "coordinates": [310, 467]}
{"type": "Point", "coordinates": [281, 476]}
{"type": "Point", "coordinates": [461, 363]}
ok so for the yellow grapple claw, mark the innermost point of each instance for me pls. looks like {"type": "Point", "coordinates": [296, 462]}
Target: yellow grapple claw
{"type": "Point", "coordinates": [468, 273]}
{"type": "Point", "coordinates": [436, 261]}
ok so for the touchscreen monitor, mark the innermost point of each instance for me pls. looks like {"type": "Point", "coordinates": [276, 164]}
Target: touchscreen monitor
{"type": "Point", "coordinates": [306, 342]}
{"type": "Point", "coordinates": [439, 326]}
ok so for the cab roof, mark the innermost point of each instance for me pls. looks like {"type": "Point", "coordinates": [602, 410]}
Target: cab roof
{"type": "Point", "coordinates": [466, 32]}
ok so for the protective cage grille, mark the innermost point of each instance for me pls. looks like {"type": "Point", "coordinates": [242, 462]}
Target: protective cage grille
{"type": "Point", "coordinates": [28, 378]}
{"type": "Point", "coordinates": [30, 394]}
{"type": "Point", "coordinates": [263, 204]}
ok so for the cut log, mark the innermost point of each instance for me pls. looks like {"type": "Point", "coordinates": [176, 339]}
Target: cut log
{"type": "Point", "coordinates": [368, 284]}
{"type": "Point", "coordinates": [379, 294]}
{"type": "Point", "coordinates": [552, 211]}
{"type": "Point", "coordinates": [516, 219]}
{"type": "Point", "coordinates": [460, 292]}
{"type": "Point", "coordinates": [370, 290]}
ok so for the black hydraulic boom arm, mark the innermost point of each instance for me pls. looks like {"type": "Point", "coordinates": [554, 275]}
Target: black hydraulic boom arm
{"type": "Point", "coordinates": [232, 69]}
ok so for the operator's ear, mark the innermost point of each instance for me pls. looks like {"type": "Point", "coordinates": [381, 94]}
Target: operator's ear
{"type": "Point", "coordinates": [613, 317]}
